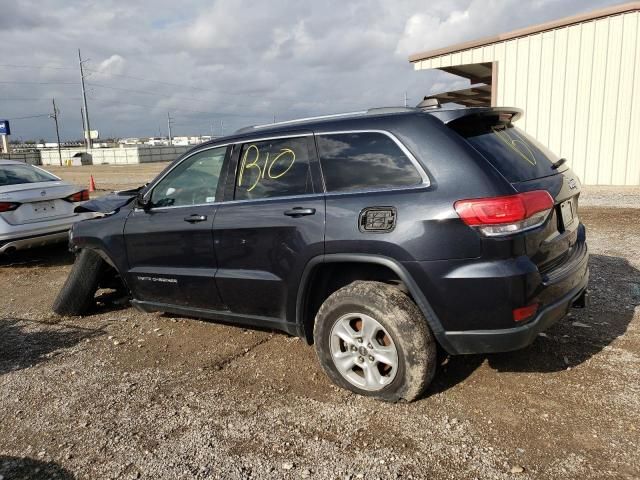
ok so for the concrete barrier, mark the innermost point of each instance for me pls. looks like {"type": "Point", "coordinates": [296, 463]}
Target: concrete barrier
{"type": "Point", "coordinates": [32, 158]}
{"type": "Point", "coordinates": [116, 156]}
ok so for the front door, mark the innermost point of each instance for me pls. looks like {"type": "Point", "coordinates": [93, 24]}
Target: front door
{"type": "Point", "coordinates": [170, 243]}
{"type": "Point", "coordinates": [271, 229]}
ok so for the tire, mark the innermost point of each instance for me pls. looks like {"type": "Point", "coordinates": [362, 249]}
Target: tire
{"type": "Point", "coordinates": [77, 295]}
{"type": "Point", "coordinates": [397, 325]}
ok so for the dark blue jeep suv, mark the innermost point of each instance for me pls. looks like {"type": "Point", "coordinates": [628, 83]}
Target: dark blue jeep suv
{"type": "Point", "coordinates": [376, 235]}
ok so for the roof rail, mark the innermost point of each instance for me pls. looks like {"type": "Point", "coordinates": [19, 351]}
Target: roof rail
{"type": "Point", "coordinates": [371, 111]}
{"type": "Point", "coordinates": [383, 110]}
{"type": "Point", "coordinates": [301, 120]}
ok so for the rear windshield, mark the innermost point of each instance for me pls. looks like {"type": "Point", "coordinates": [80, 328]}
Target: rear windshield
{"type": "Point", "coordinates": [16, 174]}
{"type": "Point", "coordinates": [516, 155]}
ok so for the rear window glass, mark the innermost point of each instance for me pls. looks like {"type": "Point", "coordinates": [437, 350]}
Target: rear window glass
{"type": "Point", "coordinates": [364, 161]}
{"type": "Point", "coordinates": [17, 174]}
{"type": "Point", "coordinates": [511, 151]}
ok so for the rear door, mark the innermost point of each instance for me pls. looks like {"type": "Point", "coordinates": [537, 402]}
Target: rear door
{"type": "Point", "coordinates": [170, 244]}
{"type": "Point", "coordinates": [528, 166]}
{"type": "Point", "coordinates": [271, 227]}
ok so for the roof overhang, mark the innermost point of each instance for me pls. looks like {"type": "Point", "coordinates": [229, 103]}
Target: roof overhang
{"type": "Point", "coordinates": [543, 27]}
{"type": "Point", "coordinates": [474, 96]}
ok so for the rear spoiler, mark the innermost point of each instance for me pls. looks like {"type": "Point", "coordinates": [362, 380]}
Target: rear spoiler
{"type": "Point", "coordinates": [510, 114]}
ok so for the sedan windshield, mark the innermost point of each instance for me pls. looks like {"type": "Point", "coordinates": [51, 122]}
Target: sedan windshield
{"type": "Point", "coordinates": [17, 174]}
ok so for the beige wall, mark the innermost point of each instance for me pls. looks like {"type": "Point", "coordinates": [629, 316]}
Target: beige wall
{"type": "Point", "coordinates": [579, 86]}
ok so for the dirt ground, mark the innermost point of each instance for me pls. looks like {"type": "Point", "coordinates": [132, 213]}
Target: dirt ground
{"type": "Point", "coordinates": [122, 394]}
{"type": "Point", "coordinates": [109, 177]}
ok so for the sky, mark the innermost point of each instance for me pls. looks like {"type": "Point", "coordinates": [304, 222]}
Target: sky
{"type": "Point", "coordinates": [235, 62]}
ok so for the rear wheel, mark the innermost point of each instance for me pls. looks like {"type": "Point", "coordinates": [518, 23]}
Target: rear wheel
{"type": "Point", "coordinates": [77, 295]}
{"type": "Point", "coordinates": [372, 339]}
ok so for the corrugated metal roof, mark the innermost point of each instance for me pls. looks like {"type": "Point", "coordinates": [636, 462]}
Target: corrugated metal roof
{"type": "Point", "coordinates": [543, 27]}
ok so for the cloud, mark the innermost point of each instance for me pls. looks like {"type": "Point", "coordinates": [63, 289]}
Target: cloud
{"type": "Point", "coordinates": [237, 61]}
{"type": "Point", "coordinates": [114, 65]}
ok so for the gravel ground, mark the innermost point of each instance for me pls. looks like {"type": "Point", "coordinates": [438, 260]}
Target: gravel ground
{"type": "Point", "coordinates": [122, 394]}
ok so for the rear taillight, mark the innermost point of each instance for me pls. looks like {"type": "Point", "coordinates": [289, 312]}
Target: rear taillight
{"type": "Point", "coordinates": [498, 216]}
{"type": "Point", "coordinates": [8, 206]}
{"type": "Point", "coordinates": [80, 196]}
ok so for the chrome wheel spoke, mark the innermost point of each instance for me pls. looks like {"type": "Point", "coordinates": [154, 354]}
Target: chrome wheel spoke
{"type": "Point", "coordinates": [345, 332]}
{"type": "Point", "coordinates": [369, 329]}
{"type": "Point", "coordinates": [372, 377]}
{"type": "Point", "coordinates": [344, 361]}
{"type": "Point", "coordinates": [357, 352]}
{"type": "Point", "coordinates": [386, 356]}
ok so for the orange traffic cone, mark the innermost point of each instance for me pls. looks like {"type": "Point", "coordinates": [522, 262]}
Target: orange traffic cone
{"type": "Point", "coordinates": [92, 184]}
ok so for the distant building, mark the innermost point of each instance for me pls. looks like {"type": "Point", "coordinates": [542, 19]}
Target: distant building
{"type": "Point", "coordinates": [577, 79]}
{"type": "Point", "coordinates": [155, 141]}
{"type": "Point", "coordinates": [130, 141]}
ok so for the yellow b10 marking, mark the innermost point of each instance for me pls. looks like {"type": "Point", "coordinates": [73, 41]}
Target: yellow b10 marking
{"type": "Point", "coordinates": [264, 170]}
{"type": "Point", "coordinates": [515, 143]}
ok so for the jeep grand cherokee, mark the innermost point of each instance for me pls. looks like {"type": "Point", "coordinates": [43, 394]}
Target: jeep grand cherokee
{"type": "Point", "coordinates": [376, 235]}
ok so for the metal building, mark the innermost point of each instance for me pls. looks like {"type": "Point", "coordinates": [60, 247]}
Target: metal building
{"type": "Point", "coordinates": [577, 79]}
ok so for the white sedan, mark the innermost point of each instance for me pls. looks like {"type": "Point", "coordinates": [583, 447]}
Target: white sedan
{"type": "Point", "coordinates": [36, 207]}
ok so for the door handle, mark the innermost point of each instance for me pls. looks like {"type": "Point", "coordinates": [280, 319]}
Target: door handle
{"type": "Point", "coordinates": [195, 218]}
{"type": "Point", "coordinates": [299, 212]}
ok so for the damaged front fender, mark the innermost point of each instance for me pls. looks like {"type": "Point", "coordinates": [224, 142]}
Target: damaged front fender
{"type": "Point", "coordinates": [111, 202]}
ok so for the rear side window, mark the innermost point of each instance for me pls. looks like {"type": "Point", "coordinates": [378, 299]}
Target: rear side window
{"type": "Point", "coordinates": [516, 155]}
{"type": "Point", "coordinates": [364, 161]}
{"type": "Point", "coordinates": [274, 168]}
{"type": "Point", "coordinates": [17, 174]}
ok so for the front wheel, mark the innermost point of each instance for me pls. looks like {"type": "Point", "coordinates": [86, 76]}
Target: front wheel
{"type": "Point", "coordinates": [372, 339]}
{"type": "Point", "coordinates": [77, 295]}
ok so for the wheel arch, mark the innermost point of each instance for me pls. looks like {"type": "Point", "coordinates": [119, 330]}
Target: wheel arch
{"type": "Point", "coordinates": [108, 258]}
{"type": "Point", "coordinates": [304, 324]}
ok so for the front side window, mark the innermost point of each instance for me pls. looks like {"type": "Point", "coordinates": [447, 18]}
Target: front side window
{"type": "Point", "coordinates": [364, 161]}
{"type": "Point", "coordinates": [193, 182]}
{"type": "Point", "coordinates": [273, 168]}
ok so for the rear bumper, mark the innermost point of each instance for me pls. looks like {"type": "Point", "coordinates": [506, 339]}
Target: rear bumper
{"type": "Point", "coordinates": [33, 241]}
{"type": "Point", "coordinates": [508, 339]}
{"type": "Point", "coordinates": [18, 237]}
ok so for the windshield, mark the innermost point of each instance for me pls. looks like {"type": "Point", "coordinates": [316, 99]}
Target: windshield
{"type": "Point", "coordinates": [516, 155]}
{"type": "Point", "coordinates": [17, 174]}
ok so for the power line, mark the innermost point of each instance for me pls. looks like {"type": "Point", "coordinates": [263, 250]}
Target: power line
{"type": "Point", "coordinates": [52, 67]}
{"type": "Point", "coordinates": [142, 92]}
{"type": "Point", "coordinates": [190, 87]}
{"type": "Point", "coordinates": [28, 99]}
{"type": "Point", "coordinates": [171, 84]}
{"type": "Point", "coordinates": [158, 95]}
{"type": "Point", "coordinates": [175, 108]}
{"type": "Point", "coordinates": [30, 116]}
{"type": "Point", "coordinates": [37, 83]}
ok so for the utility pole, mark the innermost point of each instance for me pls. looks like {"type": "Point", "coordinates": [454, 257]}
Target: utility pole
{"type": "Point", "coordinates": [55, 119]}
{"type": "Point", "coordinates": [169, 122]}
{"type": "Point", "coordinates": [274, 118]}
{"type": "Point", "coordinates": [405, 99]}
{"type": "Point", "coordinates": [87, 133]}
{"type": "Point", "coordinates": [222, 128]}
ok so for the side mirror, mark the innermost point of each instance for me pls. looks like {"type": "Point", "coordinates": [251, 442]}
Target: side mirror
{"type": "Point", "coordinates": [142, 201]}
